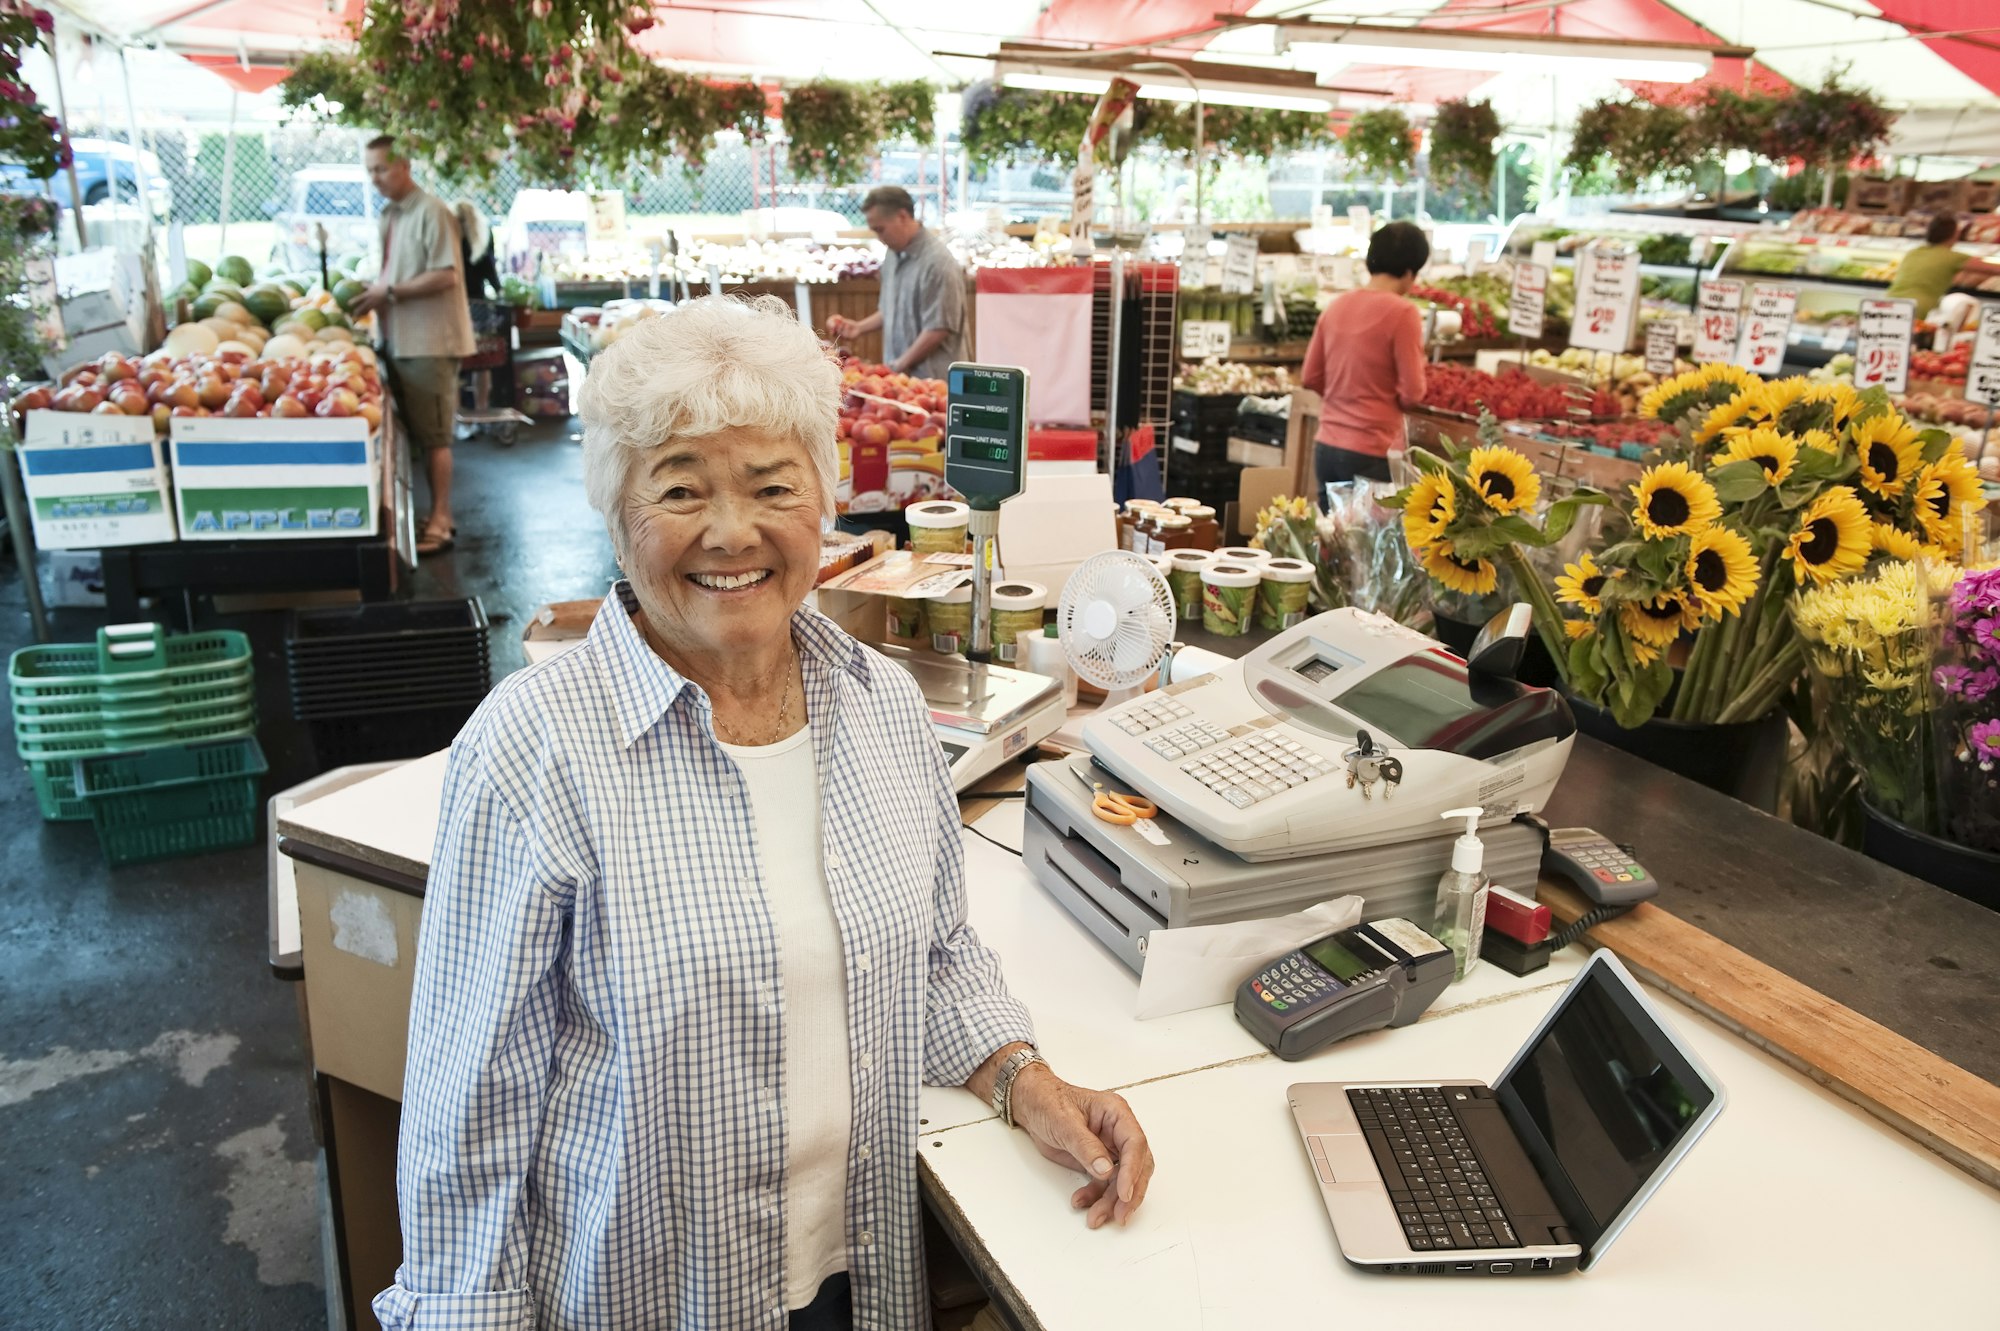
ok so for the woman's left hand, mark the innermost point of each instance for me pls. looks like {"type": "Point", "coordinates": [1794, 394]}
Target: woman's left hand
{"type": "Point", "coordinates": [1092, 1132]}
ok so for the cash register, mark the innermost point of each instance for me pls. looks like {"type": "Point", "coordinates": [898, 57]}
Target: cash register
{"type": "Point", "coordinates": [1315, 767]}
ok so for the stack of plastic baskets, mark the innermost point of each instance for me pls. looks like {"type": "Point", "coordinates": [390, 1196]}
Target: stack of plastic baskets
{"type": "Point", "coordinates": [150, 738]}
{"type": "Point", "coordinates": [388, 679]}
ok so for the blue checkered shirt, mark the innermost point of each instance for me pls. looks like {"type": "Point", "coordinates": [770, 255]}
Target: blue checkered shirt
{"type": "Point", "coordinates": [593, 1130]}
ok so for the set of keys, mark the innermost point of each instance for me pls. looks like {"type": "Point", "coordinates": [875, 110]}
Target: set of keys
{"type": "Point", "coordinates": [1368, 763]}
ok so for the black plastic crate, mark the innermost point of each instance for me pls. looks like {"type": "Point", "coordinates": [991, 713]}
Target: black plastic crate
{"type": "Point", "coordinates": [381, 736]}
{"type": "Point", "coordinates": [1203, 411]}
{"type": "Point", "coordinates": [384, 624]}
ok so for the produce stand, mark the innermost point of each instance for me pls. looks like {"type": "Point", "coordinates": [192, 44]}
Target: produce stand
{"type": "Point", "coordinates": [375, 566]}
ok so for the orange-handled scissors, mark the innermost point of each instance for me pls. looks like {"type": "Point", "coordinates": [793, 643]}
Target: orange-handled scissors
{"type": "Point", "coordinates": [1121, 809]}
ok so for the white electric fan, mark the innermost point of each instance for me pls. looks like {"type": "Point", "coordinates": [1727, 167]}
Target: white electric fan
{"type": "Point", "coordinates": [1115, 621]}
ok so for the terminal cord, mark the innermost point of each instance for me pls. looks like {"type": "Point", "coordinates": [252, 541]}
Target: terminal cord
{"type": "Point", "coordinates": [1584, 923]}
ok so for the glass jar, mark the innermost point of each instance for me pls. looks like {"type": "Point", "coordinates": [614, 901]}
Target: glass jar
{"type": "Point", "coordinates": [1128, 522]}
{"type": "Point", "coordinates": [1172, 532]}
{"type": "Point", "coordinates": [1284, 594]}
{"type": "Point", "coordinates": [938, 527]}
{"type": "Point", "coordinates": [1017, 609]}
{"type": "Point", "coordinates": [1229, 598]}
{"type": "Point", "coordinates": [1207, 531]}
{"type": "Point", "coordinates": [1182, 505]}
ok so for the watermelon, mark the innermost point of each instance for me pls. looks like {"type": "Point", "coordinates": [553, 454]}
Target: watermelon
{"type": "Point", "coordinates": [181, 292]}
{"type": "Point", "coordinates": [336, 318]}
{"type": "Point", "coordinates": [310, 317]}
{"type": "Point", "coordinates": [198, 274]}
{"type": "Point", "coordinates": [292, 288]}
{"type": "Point", "coordinates": [206, 304]}
{"type": "Point", "coordinates": [237, 269]}
{"type": "Point", "coordinates": [224, 291]}
{"type": "Point", "coordinates": [267, 302]}
{"type": "Point", "coordinates": [345, 291]}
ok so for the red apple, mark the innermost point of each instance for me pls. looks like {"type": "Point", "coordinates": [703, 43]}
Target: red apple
{"type": "Point", "coordinates": [372, 413]}
{"type": "Point", "coordinates": [189, 411]}
{"type": "Point", "coordinates": [332, 406]}
{"type": "Point", "coordinates": [874, 432]}
{"type": "Point", "coordinates": [181, 393]}
{"type": "Point", "coordinates": [287, 405]}
{"type": "Point", "coordinates": [161, 415]}
{"type": "Point", "coordinates": [114, 366]}
{"type": "Point", "coordinates": [38, 398]}
{"type": "Point", "coordinates": [213, 390]}
{"type": "Point", "coordinates": [130, 401]}
{"type": "Point", "coordinates": [240, 404]}
{"type": "Point", "coordinates": [106, 409]}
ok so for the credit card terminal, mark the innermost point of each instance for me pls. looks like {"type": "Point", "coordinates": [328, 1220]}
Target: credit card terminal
{"type": "Point", "coordinates": [1601, 869]}
{"type": "Point", "coordinates": [1384, 973]}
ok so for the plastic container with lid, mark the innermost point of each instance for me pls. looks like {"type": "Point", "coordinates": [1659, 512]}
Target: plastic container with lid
{"type": "Point", "coordinates": [938, 526]}
{"type": "Point", "coordinates": [1017, 609]}
{"type": "Point", "coordinates": [1229, 597]}
{"type": "Point", "coordinates": [949, 619]}
{"type": "Point", "coordinates": [1284, 593]}
{"type": "Point", "coordinates": [906, 618]}
{"type": "Point", "coordinates": [1207, 531]}
{"type": "Point", "coordinates": [1183, 572]}
{"type": "Point", "coordinates": [1242, 554]}
{"type": "Point", "coordinates": [1172, 532]}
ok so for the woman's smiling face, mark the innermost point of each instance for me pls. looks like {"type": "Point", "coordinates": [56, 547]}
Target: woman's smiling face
{"type": "Point", "coordinates": [722, 540]}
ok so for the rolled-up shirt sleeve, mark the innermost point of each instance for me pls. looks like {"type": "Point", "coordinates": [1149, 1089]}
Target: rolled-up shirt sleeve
{"type": "Point", "coordinates": [968, 1011]}
{"type": "Point", "coordinates": [483, 1017]}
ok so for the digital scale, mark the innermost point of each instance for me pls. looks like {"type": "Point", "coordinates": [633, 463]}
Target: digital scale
{"type": "Point", "coordinates": [984, 714]}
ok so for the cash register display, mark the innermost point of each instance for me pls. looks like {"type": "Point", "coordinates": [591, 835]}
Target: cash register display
{"type": "Point", "coordinates": [1418, 700]}
{"type": "Point", "coordinates": [1336, 955]}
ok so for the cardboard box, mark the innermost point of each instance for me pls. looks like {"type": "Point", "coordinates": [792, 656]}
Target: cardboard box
{"type": "Point", "coordinates": [1982, 196]}
{"type": "Point", "coordinates": [1879, 194]}
{"type": "Point", "coordinates": [94, 481]}
{"type": "Point", "coordinates": [359, 941]}
{"type": "Point", "coordinates": [1247, 453]}
{"type": "Point", "coordinates": [268, 478]}
{"type": "Point", "coordinates": [1938, 196]}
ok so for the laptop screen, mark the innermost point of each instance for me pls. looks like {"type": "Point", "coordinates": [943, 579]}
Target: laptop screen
{"type": "Point", "coordinates": [1600, 1099]}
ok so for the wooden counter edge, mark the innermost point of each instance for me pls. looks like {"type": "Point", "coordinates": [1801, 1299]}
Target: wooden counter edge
{"type": "Point", "coordinates": [1935, 1103]}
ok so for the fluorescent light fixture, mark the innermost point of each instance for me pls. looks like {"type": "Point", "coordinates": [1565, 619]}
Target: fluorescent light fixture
{"type": "Point", "coordinates": [1166, 92]}
{"type": "Point", "coordinates": [1327, 48]}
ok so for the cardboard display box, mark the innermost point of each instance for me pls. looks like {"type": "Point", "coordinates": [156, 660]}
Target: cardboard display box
{"type": "Point", "coordinates": [270, 478]}
{"type": "Point", "coordinates": [94, 481]}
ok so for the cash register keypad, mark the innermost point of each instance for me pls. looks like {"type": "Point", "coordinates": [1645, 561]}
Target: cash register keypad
{"type": "Point", "coordinates": [1151, 714]}
{"type": "Point", "coordinates": [1256, 767]}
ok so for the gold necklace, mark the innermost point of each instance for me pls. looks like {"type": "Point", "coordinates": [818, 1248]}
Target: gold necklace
{"type": "Point", "coordinates": [784, 707]}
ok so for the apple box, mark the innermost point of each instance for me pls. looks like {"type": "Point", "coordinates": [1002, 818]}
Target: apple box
{"type": "Point", "coordinates": [275, 478]}
{"type": "Point", "coordinates": [94, 481]}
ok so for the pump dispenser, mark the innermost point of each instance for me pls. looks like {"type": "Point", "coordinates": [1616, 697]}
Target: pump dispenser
{"type": "Point", "coordinates": [1460, 921]}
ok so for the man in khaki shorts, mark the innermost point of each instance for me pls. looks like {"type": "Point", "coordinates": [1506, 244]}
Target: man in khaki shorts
{"type": "Point", "coordinates": [423, 324]}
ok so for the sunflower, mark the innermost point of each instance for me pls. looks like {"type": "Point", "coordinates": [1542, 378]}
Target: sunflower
{"type": "Point", "coordinates": [1739, 410]}
{"type": "Point", "coordinates": [1943, 489]}
{"type": "Point", "coordinates": [1504, 477]}
{"type": "Point", "coordinates": [1656, 622]}
{"type": "Point", "coordinates": [1822, 441]}
{"type": "Point", "coordinates": [1777, 454]}
{"type": "Point", "coordinates": [1722, 372]}
{"type": "Point", "coordinates": [1721, 572]}
{"type": "Point", "coordinates": [1673, 501]}
{"type": "Point", "coordinates": [1774, 397]}
{"type": "Point", "coordinates": [1642, 655]}
{"type": "Point", "coordinates": [1679, 393]}
{"type": "Point", "coordinates": [1895, 542]}
{"type": "Point", "coordinates": [1578, 628]}
{"type": "Point", "coordinates": [1429, 509]}
{"type": "Point", "coordinates": [1890, 453]}
{"type": "Point", "coordinates": [1839, 396]}
{"type": "Point", "coordinates": [1475, 577]}
{"type": "Point", "coordinates": [1833, 537]}
{"type": "Point", "coordinates": [1582, 584]}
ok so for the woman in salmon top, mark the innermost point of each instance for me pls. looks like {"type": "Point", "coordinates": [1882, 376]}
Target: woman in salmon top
{"type": "Point", "coordinates": [1366, 362]}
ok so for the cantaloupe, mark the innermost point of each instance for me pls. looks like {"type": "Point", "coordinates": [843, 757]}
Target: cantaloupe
{"type": "Point", "coordinates": [191, 340]}
{"type": "Point", "coordinates": [284, 346]}
{"type": "Point", "coordinates": [331, 334]}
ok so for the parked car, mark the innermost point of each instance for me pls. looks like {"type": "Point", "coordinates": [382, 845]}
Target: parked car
{"type": "Point", "coordinates": [337, 197]}
{"type": "Point", "coordinates": [102, 165]}
{"type": "Point", "coordinates": [545, 223]}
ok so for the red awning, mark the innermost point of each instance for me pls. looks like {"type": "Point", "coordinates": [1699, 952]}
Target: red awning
{"type": "Point", "coordinates": [252, 79]}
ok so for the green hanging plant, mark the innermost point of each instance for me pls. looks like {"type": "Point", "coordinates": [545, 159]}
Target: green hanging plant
{"type": "Point", "coordinates": [1462, 137]}
{"type": "Point", "coordinates": [833, 130]}
{"type": "Point", "coordinates": [1832, 123]}
{"type": "Point", "coordinates": [1000, 126]}
{"type": "Point", "coordinates": [1640, 140]}
{"type": "Point", "coordinates": [1379, 143]}
{"type": "Point", "coordinates": [909, 110]}
{"type": "Point", "coordinates": [667, 114]}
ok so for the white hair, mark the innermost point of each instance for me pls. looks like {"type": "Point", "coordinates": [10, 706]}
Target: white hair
{"type": "Point", "coordinates": [706, 366]}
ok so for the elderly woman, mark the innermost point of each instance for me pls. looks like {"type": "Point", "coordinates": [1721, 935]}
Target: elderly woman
{"type": "Point", "coordinates": [695, 927]}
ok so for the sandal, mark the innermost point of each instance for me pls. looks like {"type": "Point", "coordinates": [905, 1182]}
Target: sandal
{"type": "Point", "coordinates": [431, 543]}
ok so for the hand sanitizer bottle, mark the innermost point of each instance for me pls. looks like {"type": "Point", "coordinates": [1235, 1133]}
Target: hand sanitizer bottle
{"type": "Point", "coordinates": [1460, 921]}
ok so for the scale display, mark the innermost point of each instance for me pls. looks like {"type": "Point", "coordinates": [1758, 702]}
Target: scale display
{"type": "Point", "coordinates": [986, 432]}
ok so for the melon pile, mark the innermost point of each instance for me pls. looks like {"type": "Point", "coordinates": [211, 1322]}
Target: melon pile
{"type": "Point", "coordinates": [278, 319]}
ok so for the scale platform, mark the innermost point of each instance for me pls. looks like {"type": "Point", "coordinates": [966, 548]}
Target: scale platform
{"type": "Point", "coordinates": [982, 715]}
{"type": "Point", "coordinates": [1121, 883]}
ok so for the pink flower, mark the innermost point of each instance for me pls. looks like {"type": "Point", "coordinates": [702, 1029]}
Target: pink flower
{"type": "Point", "coordinates": [638, 23]}
{"type": "Point", "coordinates": [565, 52]}
{"type": "Point", "coordinates": [539, 8]}
{"type": "Point", "coordinates": [482, 103]}
{"type": "Point", "coordinates": [611, 74]}
{"type": "Point", "coordinates": [1984, 741]}
{"type": "Point", "coordinates": [465, 63]}
{"type": "Point", "coordinates": [433, 104]}
{"type": "Point", "coordinates": [43, 21]}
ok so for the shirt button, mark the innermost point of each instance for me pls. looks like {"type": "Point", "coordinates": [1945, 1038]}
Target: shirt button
{"type": "Point", "coordinates": [867, 1061]}
{"type": "Point", "coordinates": [866, 1239]}
{"type": "Point", "coordinates": [765, 993]}
{"type": "Point", "coordinates": [832, 859]}
{"type": "Point", "coordinates": [861, 961]}
{"type": "Point", "coordinates": [863, 1152]}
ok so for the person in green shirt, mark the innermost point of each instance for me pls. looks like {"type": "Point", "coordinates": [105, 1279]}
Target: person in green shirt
{"type": "Point", "coordinates": [1927, 272]}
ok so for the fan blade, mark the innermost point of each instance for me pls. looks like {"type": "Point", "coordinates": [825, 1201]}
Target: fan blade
{"type": "Point", "coordinates": [1138, 644]}
{"type": "Point", "coordinates": [1129, 591]}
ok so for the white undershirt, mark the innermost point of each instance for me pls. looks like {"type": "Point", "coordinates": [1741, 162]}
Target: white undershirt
{"type": "Point", "coordinates": [812, 973]}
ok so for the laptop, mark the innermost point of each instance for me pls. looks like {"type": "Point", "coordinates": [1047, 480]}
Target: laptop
{"type": "Point", "coordinates": [1538, 1173]}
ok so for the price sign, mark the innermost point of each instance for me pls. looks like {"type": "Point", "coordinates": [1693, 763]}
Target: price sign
{"type": "Point", "coordinates": [1194, 257]}
{"type": "Point", "coordinates": [1530, 296]}
{"type": "Point", "coordinates": [1239, 265]}
{"type": "Point", "coordinates": [1715, 318]}
{"type": "Point", "coordinates": [1334, 271]}
{"type": "Point", "coordinates": [1607, 299]}
{"type": "Point", "coordinates": [1082, 194]}
{"type": "Point", "coordinates": [1982, 381]}
{"type": "Point", "coordinates": [1882, 344]}
{"type": "Point", "coordinates": [1662, 342]}
{"type": "Point", "coordinates": [1767, 326]}
{"type": "Point", "coordinates": [606, 215]}
{"type": "Point", "coordinates": [1202, 338]}
{"type": "Point", "coordinates": [1360, 221]}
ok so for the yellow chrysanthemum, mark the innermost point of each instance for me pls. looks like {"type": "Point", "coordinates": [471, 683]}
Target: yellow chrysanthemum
{"type": "Point", "coordinates": [1943, 490]}
{"type": "Point", "coordinates": [1475, 577]}
{"type": "Point", "coordinates": [1894, 541]}
{"type": "Point", "coordinates": [1721, 572]}
{"type": "Point", "coordinates": [1504, 477]}
{"type": "Point", "coordinates": [1833, 537]}
{"type": "Point", "coordinates": [1428, 509]}
{"type": "Point", "coordinates": [1582, 584]}
{"type": "Point", "coordinates": [1890, 453]}
{"type": "Point", "coordinates": [1776, 453]}
{"type": "Point", "coordinates": [1673, 501]}
{"type": "Point", "coordinates": [1655, 623]}
{"type": "Point", "coordinates": [1739, 410]}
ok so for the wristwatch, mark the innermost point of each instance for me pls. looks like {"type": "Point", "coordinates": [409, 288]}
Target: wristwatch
{"type": "Point", "coordinates": [1003, 1081]}
{"type": "Point", "coordinates": [392, 293]}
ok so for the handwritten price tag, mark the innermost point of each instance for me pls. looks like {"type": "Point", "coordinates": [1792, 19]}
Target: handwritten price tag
{"type": "Point", "coordinates": [1662, 340]}
{"type": "Point", "coordinates": [1607, 299]}
{"type": "Point", "coordinates": [1239, 265]}
{"type": "Point", "coordinates": [1767, 328]}
{"type": "Point", "coordinates": [1715, 323]}
{"type": "Point", "coordinates": [1882, 344]}
{"type": "Point", "coordinates": [1528, 301]}
{"type": "Point", "coordinates": [1982, 382]}
{"type": "Point", "coordinates": [1082, 200]}
{"type": "Point", "coordinates": [1201, 338]}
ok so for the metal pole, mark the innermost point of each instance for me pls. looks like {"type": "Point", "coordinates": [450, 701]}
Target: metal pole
{"type": "Point", "coordinates": [1200, 129]}
{"type": "Point", "coordinates": [62, 112]}
{"type": "Point", "coordinates": [1117, 302]}
{"type": "Point", "coordinates": [104, 127]}
{"type": "Point", "coordinates": [19, 531]}
{"type": "Point", "coordinates": [144, 177]}
{"type": "Point", "coordinates": [228, 174]}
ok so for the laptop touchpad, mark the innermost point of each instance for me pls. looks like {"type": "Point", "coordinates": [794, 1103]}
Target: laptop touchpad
{"type": "Point", "coordinates": [1343, 1159]}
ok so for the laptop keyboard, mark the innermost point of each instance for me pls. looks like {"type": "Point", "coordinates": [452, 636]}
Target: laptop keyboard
{"type": "Point", "coordinates": [1441, 1195]}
